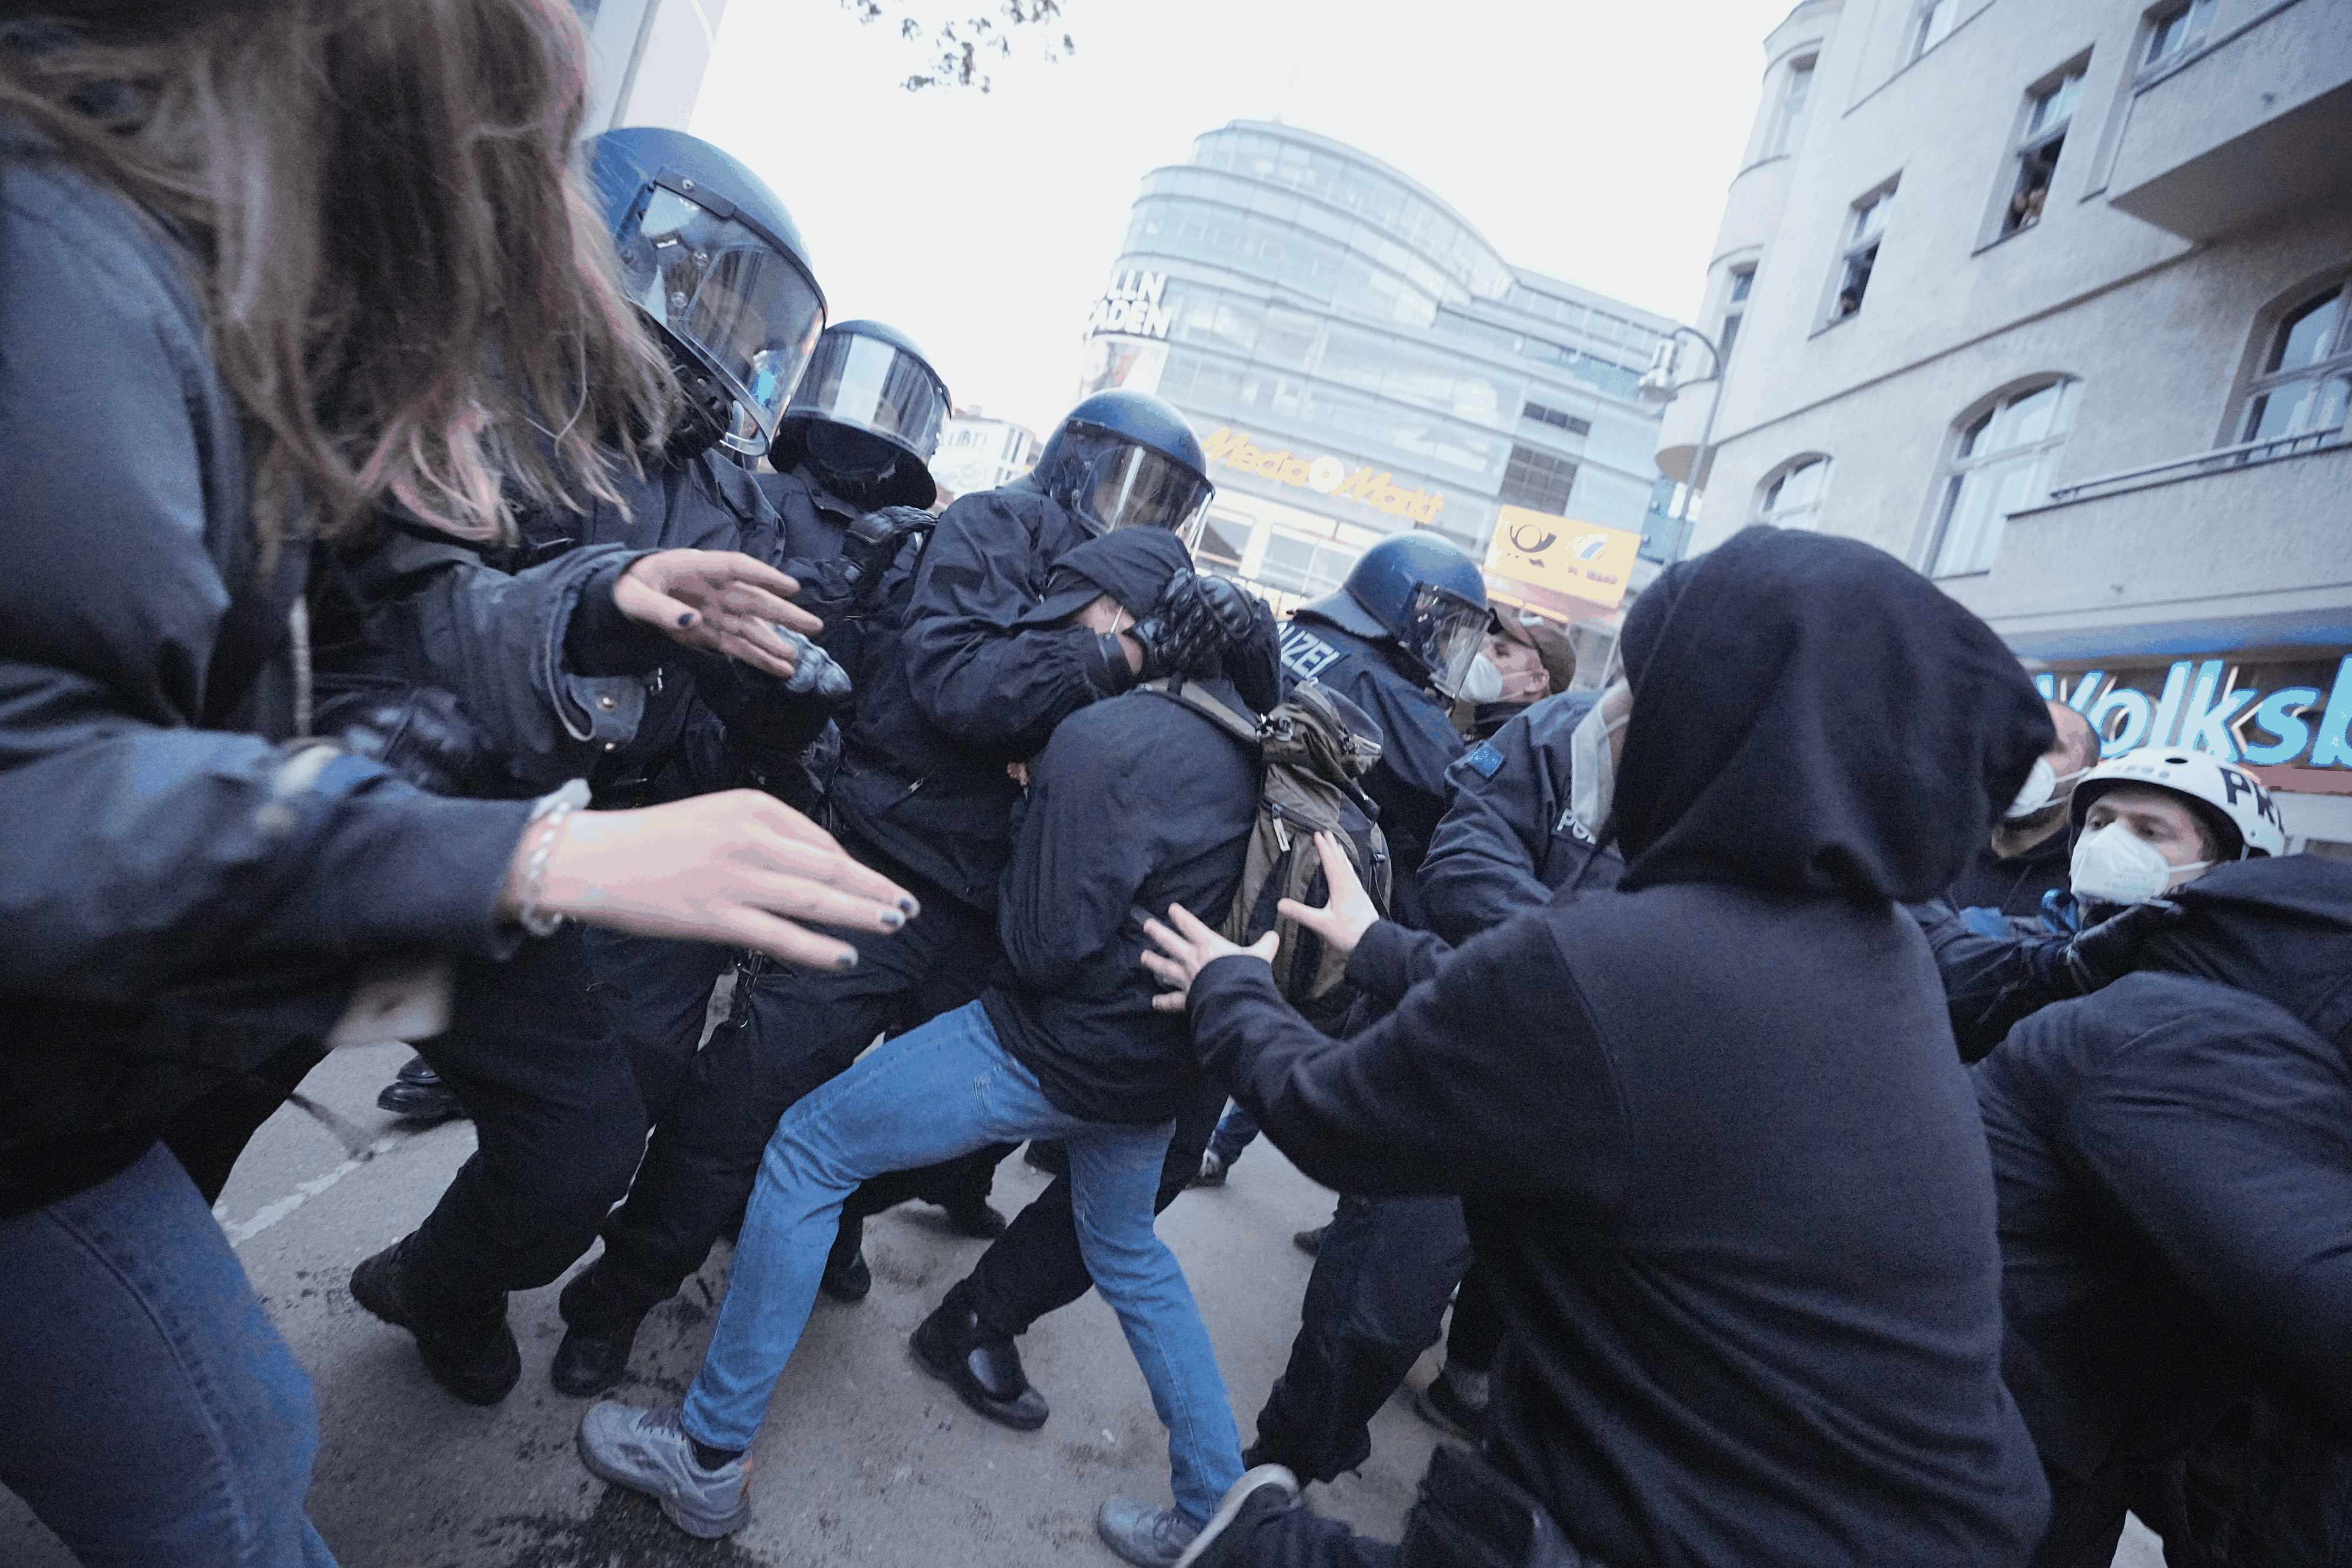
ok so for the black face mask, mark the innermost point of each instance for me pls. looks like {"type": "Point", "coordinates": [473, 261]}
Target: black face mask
{"type": "Point", "coordinates": [852, 464]}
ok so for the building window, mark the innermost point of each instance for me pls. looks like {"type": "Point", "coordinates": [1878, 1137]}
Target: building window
{"type": "Point", "coordinates": [1797, 86]}
{"type": "Point", "coordinates": [1538, 481]}
{"type": "Point", "coordinates": [1735, 305]}
{"type": "Point", "coordinates": [2172, 34]}
{"type": "Point", "coordinates": [2049, 111]}
{"type": "Point", "coordinates": [1937, 19]}
{"type": "Point", "coordinates": [2306, 377]}
{"type": "Point", "coordinates": [1793, 498]}
{"type": "Point", "coordinates": [2002, 464]}
{"type": "Point", "coordinates": [1865, 225]}
{"type": "Point", "coordinates": [1556, 419]}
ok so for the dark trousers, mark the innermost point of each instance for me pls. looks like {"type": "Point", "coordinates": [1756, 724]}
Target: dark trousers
{"type": "Point", "coordinates": [1034, 1267]}
{"type": "Point", "coordinates": [788, 1030]}
{"type": "Point", "coordinates": [1476, 1331]}
{"type": "Point", "coordinates": [658, 997]}
{"type": "Point", "coordinates": [1375, 1302]}
{"type": "Point", "coordinates": [1235, 1133]}
{"type": "Point", "coordinates": [556, 1118]}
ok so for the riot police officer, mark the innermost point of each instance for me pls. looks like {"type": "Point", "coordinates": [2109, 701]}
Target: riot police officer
{"type": "Point", "coordinates": [922, 789]}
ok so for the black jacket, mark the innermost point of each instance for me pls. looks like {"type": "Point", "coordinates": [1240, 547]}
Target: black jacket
{"type": "Point", "coordinates": [1136, 804]}
{"type": "Point", "coordinates": [1418, 742]}
{"type": "Point", "coordinates": [157, 843]}
{"type": "Point", "coordinates": [1506, 843]}
{"type": "Point", "coordinates": [2014, 884]}
{"type": "Point", "coordinates": [922, 773]}
{"type": "Point", "coordinates": [2174, 1161]}
{"type": "Point", "coordinates": [1721, 1166]}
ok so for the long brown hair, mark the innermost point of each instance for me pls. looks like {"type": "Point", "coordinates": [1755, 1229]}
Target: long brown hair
{"type": "Point", "coordinates": [411, 295]}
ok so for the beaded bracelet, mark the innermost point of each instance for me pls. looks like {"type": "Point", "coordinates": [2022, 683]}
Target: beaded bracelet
{"type": "Point", "coordinates": [549, 812]}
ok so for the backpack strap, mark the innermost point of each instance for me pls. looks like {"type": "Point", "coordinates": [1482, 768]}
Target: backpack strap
{"type": "Point", "coordinates": [1175, 689]}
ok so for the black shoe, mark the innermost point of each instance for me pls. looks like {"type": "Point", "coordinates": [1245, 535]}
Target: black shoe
{"type": "Point", "coordinates": [846, 1277]}
{"type": "Point", "coordinates": [1442, 1405]}
{"type": "Point", "coordinates": [986, 1374]}
{"type": "Point", "coordinates": [470, 1353]}
{"type": "Point", "coordinates": [599, 1331]}
{"type": "Point", "coordinates": [1310, 1241]}
{"type": "Point", "coordinates": [975, 1218]}
{"type": "Point", "coordinates": [417, 1094]}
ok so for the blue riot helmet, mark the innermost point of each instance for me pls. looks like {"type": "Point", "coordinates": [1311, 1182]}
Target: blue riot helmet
{"type": "Point", "coordinates": [1122, 459]}
{"type": "Point", "coordinates": [714, 262]}
{"type": "Point", "coordinates": [1423, 592]}
{"type": "Point", "coordinates": [865, 417]}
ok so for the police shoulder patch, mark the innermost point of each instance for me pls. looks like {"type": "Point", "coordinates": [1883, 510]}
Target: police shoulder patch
{"type": "Point", "coordinates": [1485, 759]}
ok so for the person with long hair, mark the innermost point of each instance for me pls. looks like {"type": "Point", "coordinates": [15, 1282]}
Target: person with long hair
{"type": "Point", "coordinates": [268, 267]}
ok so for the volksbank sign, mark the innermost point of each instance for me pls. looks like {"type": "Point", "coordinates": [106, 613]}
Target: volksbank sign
{"type": "Point", "coordinates": [2285, 720]}
{"type": "Point", "coordinates": [1325, 476]}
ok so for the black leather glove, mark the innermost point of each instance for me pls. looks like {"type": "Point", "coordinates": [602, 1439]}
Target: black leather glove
{"type": "Point", "coordinates": [1196, 619]}
{"type": "Point", "coordinates": [873, 542]}
{"type": "Point", "coordinates": [2103, 954]}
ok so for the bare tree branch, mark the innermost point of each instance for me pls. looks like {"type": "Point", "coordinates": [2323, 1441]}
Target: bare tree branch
{"type": "Point", "coordinates": [961, 47]}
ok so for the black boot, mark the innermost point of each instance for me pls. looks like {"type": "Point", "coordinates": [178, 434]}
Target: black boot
{"type": "Point", "coordinates": [599, 1327]}
{"type": "Point", "coordinates": [845, 1276]}
{"type": "Point", "coordinates": [953, 1346]}
{"type": "Point", "coordinates": [469, 1350]}
{"type": "Point", "coordinates": [416, 1093]}
{"type": "Point", "coordinates": [974, 1217]}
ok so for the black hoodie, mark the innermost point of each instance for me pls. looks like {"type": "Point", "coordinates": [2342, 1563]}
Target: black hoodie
{"type": "Point", "coordinates": [1721, 1165]}
{"type": "Point", "coordinates": [2174, 1162]}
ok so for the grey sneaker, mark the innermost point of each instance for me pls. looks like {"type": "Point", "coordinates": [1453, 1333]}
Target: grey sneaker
{"type": "Point", "coordinates": [1263, 1490]}
{"type": "Point", "coordinates": [647, 1451]}
{"type": "Point", "coordinates": [1146, 1536]}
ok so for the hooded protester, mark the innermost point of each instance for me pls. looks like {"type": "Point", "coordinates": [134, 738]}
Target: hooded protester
{"type": "Point", "coordinates": [2173, 1156]}
{"type": "Point", "coordinates": [1721, 1165]}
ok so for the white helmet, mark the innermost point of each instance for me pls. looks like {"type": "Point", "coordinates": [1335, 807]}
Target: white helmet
{"type": "Point", "coordinates": [2234, 795]}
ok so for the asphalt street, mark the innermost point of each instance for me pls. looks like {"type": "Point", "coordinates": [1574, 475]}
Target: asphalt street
{"type": "Point", "coordinates": [863, 1458]}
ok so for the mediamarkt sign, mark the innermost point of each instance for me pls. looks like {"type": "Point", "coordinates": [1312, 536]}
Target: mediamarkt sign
{"type": "Point", "coordinates": [1131, 305]}
{"type": "Point", "coordinates": [1325, 475]}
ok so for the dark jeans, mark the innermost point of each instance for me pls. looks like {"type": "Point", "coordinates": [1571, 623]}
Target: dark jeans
{"type": "Point", "coordinates": [556, 1118]}
{"type": "Point", "coordinates": [1375, 1302]}
{"type": "Point", "coordinates": [790, 1029]}
{"type": "Point", "coordinates": [152, 1415]}
{"type": "Point", "coordinates": [1235, 1133]}
{"type": "Point", "coordinates": [1036, 1268]}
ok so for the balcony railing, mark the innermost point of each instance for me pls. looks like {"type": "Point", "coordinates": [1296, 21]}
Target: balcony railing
{"type": "Point", "coordinates": [2243, 455]}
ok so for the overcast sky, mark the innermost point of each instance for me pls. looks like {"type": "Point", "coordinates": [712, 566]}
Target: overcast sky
{"type": "Point", "coordinates": [1589, 140]}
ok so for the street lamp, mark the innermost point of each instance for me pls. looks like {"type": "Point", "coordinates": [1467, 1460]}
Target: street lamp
{"type": "Point", "coordinates": [1658, 387]}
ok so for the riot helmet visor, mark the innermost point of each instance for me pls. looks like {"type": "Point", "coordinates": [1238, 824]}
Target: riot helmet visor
{"type": "Point", "coordinates": [1114, 482]}
{"type": "Point", "coordinates": [868, 384]}
{"type": "Point", "coordinates": [1446, 633]}
{"type": "Point", "coordinates": [745, 308]}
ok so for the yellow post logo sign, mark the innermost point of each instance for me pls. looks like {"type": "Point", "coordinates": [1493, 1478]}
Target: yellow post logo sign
{"type": "Point", "coordinates": [1324, 475]}
{"type": "Point", "coordinates": [1584, 561]}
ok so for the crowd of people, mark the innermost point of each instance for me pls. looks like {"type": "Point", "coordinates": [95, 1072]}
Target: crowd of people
{"type": "Point", "coordinates": [464, 592]}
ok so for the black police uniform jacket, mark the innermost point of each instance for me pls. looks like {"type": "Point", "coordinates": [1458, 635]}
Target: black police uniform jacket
{"type": "Point", "coordinates": [161, 840]}
{"type": "Point", "coordinates": [2174, 1162]}
{"type": "Point", "coordinates": [1722, 1169]}
{"type": "Point", "coordinates": [922, 776]}
{"type": "Point", "coordinates": [1506, 843]}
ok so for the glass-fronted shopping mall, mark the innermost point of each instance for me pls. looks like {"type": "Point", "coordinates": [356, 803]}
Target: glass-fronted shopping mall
{"type": "Point", "coordinates": [1360, 361]}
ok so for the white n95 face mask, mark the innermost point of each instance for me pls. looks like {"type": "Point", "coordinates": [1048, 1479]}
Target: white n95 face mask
{"type": "Point", "coordinates": [2043, 785]}
{"type": "Point", "coordinates": [2114, 865]}
{"type": "Point", "coordinates": [1484, 684]}
{"type": "Point", "coordinates": [1592, 782]}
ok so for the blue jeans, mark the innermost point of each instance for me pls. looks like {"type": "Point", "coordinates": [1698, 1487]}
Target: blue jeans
{"type": "Point", "coordinates": [153, 1418]}
{"type": "Point", "coordinates": [935, 1092]}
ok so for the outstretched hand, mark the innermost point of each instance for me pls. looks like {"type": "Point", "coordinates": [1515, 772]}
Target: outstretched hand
{"type": "Point", "coordinates": [1348, 911]}
{"type": "Point", "coordinates": [722, 602]}
{"type": "Point", "coordinates": [1188, 949]}
{"type": "Point", "coordinates": [738, 867]}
